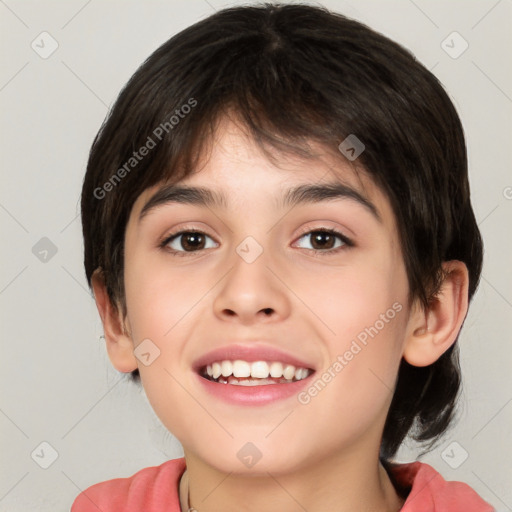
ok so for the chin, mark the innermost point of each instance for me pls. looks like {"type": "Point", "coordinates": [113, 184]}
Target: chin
{"type": "Point", "coordinates": [247, 458]}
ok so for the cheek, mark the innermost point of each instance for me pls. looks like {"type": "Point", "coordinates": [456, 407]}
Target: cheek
{"type": "Point", "coordinates": [353, 391]}
{"type": "Point", "coordinates": [360, 297]}
{"type": "Point", "coordinates": [158, 303]}
{"type": "Point", "coordinates": [367, 314]}
{"type": "Point", "coordinates": [159, 298]}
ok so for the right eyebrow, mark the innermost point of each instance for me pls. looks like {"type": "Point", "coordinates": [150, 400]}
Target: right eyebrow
{"type": "Point", "coordinates": [198, 196]}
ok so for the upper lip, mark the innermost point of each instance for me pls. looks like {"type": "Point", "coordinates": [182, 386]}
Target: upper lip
{"type": "Point", "coordinates": [249, 353]}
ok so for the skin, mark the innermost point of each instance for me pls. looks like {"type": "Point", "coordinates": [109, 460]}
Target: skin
{"type": "Point", "coordinates": [318, 456]}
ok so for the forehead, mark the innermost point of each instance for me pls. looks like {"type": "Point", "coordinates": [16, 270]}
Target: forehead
{"type": "Point", "coordinates": [235, 170]}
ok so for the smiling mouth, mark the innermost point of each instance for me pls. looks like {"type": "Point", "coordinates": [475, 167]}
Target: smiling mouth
{"type": "Point", "coordinates": [257, 373]}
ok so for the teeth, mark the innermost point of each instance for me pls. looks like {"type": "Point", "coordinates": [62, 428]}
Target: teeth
{"type": "Point", "coordinates": [259, 369]}
{"type": "Point", "coordinates": [301, 373]}
{"type": "Point", "coordinates": [276, 370]}
{"type": "Point", "coordinates": [263, 371]}
{"type": "Point", "coordinates": [251, 382]}
{"type": "Point", "coordinates": [241, 368]}
{"type": "Point", "coordinates": [289, 371]}
{"type": "Point", "coordinates": [216, 370]}
{"type": "Point", "coordinates": [227, 368]}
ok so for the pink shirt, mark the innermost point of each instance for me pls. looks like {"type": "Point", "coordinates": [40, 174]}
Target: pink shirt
{"type": "Point", "coordinates": [155, 489]}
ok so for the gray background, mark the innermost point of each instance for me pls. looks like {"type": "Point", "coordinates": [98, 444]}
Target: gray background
{"type": "Point", "coordinates": [57, 385]}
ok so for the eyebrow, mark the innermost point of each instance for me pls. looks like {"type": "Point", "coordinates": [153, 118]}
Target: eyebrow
{"type": "Point", "coordinates": [302, 194]}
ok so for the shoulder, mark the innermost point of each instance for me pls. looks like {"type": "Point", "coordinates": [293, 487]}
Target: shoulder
{"type": "Point", "coordinates": [430, 492]}
{"type": "Point", "coordinates": [151, 489]}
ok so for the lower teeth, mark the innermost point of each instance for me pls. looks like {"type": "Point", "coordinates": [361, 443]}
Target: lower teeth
{"type": "Point", "coordinates": [251, 382]}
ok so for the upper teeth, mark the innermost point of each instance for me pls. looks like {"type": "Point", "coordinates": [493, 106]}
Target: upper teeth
{"type": "Point", "coordinates": [257, 369]}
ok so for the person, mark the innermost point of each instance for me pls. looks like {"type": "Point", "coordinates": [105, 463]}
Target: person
{"type": "Point", "coordinates": [279, 235]}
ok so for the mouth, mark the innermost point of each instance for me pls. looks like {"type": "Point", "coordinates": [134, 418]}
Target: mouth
{"type": "Point", "coordinates": [252, 375]}
{"type": "Point", "coordinates": [239, 372]}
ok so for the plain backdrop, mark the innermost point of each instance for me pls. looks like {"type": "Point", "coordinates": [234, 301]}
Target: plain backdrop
{"type": "Point", "coordinates": [57, 385]}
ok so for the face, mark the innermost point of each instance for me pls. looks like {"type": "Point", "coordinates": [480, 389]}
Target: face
{"type": "Point", "coordinates": [317, 290]}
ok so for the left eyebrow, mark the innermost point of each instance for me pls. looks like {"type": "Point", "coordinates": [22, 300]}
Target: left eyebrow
{"type": "Point", "coordinates": [302, 194]}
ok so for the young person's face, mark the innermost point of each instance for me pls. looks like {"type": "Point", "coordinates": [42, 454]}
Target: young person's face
{"type": "Point", "coordinates": [256, 279]}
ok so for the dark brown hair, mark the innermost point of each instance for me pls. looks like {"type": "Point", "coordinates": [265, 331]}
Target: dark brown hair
{"type": "Point", "coordinates": [296, 73]}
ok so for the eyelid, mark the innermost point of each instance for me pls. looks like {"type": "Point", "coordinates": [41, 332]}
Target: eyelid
{"type": "Point", "coordinates": [334, 230]}
{"type": "Point", "coordinates": [183, 229]}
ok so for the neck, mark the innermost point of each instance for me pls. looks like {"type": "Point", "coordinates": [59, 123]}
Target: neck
{"type": "Point", "coordinates": [334, 485]}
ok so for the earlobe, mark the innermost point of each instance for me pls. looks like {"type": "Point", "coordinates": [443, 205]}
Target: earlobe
{"type": "Point", "coordinates": [432, 331]}
{"type": "Point", "coordinates": [118, 340]}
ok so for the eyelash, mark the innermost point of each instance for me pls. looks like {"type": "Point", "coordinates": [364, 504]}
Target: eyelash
{"type": "Point", "coordinates": [347, 242]}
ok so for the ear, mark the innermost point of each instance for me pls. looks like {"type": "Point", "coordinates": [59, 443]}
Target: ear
{"type": "Point", "coordinates": [118, 340]}
{"type": "Point", "coordinates": [432, 331]}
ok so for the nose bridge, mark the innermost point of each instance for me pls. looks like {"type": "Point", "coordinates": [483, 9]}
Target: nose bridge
{"type": "Point", "coordinates": [252, 237]}
{"type": "Point", "coordinates": [251, 286]}
{"type": "Point", "coordinates": [250, 263]}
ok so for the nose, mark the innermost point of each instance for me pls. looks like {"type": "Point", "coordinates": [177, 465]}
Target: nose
{"type": "Point", "coordinates": [252, 292]}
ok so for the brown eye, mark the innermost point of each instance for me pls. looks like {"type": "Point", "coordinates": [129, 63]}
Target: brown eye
{"type": "Point", "coordinates": [187, 241]}
{"type": "Point", "coordinates": [326, 240]}
{"type": "Point", "coordinates": [322, 240]}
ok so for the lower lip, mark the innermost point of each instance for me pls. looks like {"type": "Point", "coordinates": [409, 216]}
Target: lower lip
{"type": "Point", "coordinates": [253, 395]}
